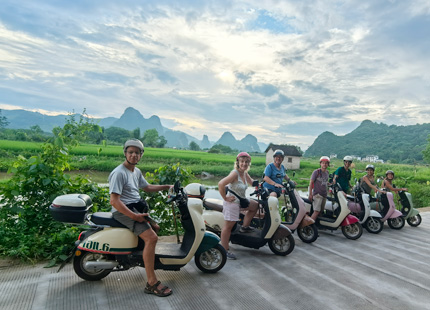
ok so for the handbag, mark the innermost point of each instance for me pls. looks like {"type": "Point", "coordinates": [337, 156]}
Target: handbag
{"type": "Point", "coordinates": [244, 202]}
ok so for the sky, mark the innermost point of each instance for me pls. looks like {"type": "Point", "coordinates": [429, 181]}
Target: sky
{"type": "Point", "coordinates": [283, 71]}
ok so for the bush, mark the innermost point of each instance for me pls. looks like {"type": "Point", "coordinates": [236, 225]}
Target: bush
{"type": "Point", "coordinates": [27, 230]}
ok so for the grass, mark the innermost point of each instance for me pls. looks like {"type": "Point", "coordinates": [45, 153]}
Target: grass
{"type": "Point", "coordinates": [96, 158]}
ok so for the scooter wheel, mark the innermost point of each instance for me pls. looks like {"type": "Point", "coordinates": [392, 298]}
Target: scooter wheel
{"type": "Point", "coordinates": [352, 231]}
{"type": "Point", "coordinates": [414, 221]}
{"type": "Point", "coordinates": [308, 234]}
{"type": "Point", "coordinates": [95, 274]}
{"type": "Point", "coordinates": [282, 246]}
{"type": "Point", "coordinates": [397, 222]}
{"type": "Point", "coordinates": [212, 260]}
{"type": "Point", "coordinates": [374, 225]}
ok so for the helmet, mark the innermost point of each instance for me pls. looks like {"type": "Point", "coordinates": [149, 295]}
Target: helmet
{"type": "Point", "coordinates": [325, 158]}
{"type": "Point", "coordinates": [347, 158]}
{"type": "Point", "coordinates": [278, 153]}
{"type": "Point", "coordinates": [370, 167]}
{"type": "Point", "coordinates": [243, 154]}
{"type": "Point", "coordinates": [389, 171]}
{"type": "Point", "coordinates": [135, 143]}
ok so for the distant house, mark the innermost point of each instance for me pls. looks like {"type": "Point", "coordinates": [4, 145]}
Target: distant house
{"type": "Point", "coordinates": [292, 155]}
{"type": "Point", "coordinates": [373, 159]}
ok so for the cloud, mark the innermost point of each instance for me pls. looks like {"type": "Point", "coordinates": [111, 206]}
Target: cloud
{"type": "Point", "coordinates": [266, 90]}
{"type": "Point", "coordinates": [210, 67]}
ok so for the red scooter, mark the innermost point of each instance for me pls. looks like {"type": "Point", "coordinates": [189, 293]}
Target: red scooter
{"type": "Point", "coordinates": [337, 214]}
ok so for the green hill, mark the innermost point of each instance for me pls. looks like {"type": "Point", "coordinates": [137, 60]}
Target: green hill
{"type": "Point", "coordinates": [397, 144]}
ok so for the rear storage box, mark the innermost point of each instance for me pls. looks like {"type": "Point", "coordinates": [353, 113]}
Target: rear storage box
{"type": "Point", "coordinates": [71, 208]}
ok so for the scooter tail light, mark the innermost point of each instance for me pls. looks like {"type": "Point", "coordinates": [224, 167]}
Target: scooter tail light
{"type": "Point", "coordinates": [80, 235]}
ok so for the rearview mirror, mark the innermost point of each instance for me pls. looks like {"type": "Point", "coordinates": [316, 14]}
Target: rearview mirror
{"type": "Point", "coordinates": [255, 183]}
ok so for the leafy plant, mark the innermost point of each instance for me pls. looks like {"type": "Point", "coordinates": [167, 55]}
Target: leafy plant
{"type": "Point", "coordinates": [27, 231]}
{"type": "Point", "coordinates": [162, 212]}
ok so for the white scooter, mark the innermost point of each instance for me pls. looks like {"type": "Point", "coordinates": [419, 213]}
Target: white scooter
{"type": "Point", "coordinates": [359, 205]}
{"type": "Point", "coordinates": [272, 232]}
{"type": "Point", "coordinates": [109, 246]}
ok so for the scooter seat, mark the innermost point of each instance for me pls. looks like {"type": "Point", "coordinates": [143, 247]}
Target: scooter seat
{"type": "Point", "coordinates": [350, 197]}
{"type": "Point", "coordinates": [213, 204]}
{"type": "Point", "coordinates": [306, 200]}
{"type": "Point", "coordinates": [105, 218]}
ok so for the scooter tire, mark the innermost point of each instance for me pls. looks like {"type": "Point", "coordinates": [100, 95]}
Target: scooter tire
{"type": "Point", "coordinates": [414, 221]}
{"type": "Point", "coordinates": [89, 275]}
{"type": "Point", "coordinates": [211, 261]}
{"type": "Point", "coordinates": [374, 225]}
{"type": "Point", "coordinates": [352, 231]}
{"type": "Point", "coordinates": [308, 234]}
{"type": "Point", "coordinates": [282, 246]}
{"type": "Point", "coordinates": [396, 223]}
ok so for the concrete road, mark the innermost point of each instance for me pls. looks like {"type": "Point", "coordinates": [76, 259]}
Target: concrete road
{"type": "Point", "coordinates": [385, 271]}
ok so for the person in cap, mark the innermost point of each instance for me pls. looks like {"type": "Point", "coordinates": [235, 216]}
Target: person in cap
{"type": "Point", "coordinates": [129, 209]}
{"type": "Point", "coordinates": [342, 175]}
{"type": "Point", "coordinates": [318, 187]}
{"type": "Point", "coordinates": [237, 181]}
{"type": "Point", "coordinates": [388, 183]}
{"type": "Point", "coordinates": [275, 173]}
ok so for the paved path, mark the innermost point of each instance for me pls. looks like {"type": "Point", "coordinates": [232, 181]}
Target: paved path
{"type": "Point", "coordinates": [385, 271]}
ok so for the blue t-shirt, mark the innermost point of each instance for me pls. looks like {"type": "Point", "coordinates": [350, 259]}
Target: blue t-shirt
{"type": "Point", "coordinates": [277, 175]}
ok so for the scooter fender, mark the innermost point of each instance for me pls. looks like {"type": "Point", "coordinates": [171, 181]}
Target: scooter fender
{"type": "Point", "coordinates": [348, 220]}
{"type": "Point", "coordinates": [282, 232]}
{"type": "Point", "coordinates": [396, 213]}
{"type": "Point", "coordinates": [209, 241]}
{"type": "Point", "coordinates": [306, 221]}
{"type": "Point", "coordinates": [414, 212]}
{"type": "Point", "coordinates": [374, 213]}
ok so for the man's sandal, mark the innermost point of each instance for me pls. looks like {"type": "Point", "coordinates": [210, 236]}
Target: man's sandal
{"type": "Point", "coordinates": [153, 289]}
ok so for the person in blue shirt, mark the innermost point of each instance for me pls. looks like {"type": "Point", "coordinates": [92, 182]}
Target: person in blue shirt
{"type": "Point", "coordinates": [275, 173]}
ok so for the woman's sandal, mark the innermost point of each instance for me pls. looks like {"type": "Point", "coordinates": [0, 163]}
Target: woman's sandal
{"type": "Point", "coordinates": [153, 289]}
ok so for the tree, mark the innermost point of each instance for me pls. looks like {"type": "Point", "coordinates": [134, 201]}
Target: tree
{"type": "Point", "coordinates": [117, 134]}
{"type": "Point", "coordinates": [194, 146]}
{"type": "Point", "coordinates": [426, 152]}
{"type": "Point", "coordinates": [152, 139]}
{"type": "Point", "coordinates": [219, 148]}
{"type": "Point", "coordinates": [3, 121]}
{"type": "Point", "coordinates": [136, 133]}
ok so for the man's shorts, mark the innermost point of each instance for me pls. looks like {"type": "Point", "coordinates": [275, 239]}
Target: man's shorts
{"type": "Point", "coordinates": [278, 191]}
{"type": "Point", "coordinates": [318, 203]}
{"type": "Point", "coordinates": [136, 227]}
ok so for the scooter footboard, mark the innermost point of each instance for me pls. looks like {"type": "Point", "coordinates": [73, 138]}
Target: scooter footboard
{"type": "Point", "coordinates": [281, 232]}
{"type": "Point", "coordinates": [349, 219]}
{"type": "Point", "coordinates": [209, 241]}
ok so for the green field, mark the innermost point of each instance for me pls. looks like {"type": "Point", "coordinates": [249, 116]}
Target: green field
{"type": "Point", "coordinates": [97, 158]}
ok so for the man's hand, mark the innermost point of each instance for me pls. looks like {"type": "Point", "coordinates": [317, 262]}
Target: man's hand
{"type": "Point", "coordinates": [141, 217]}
